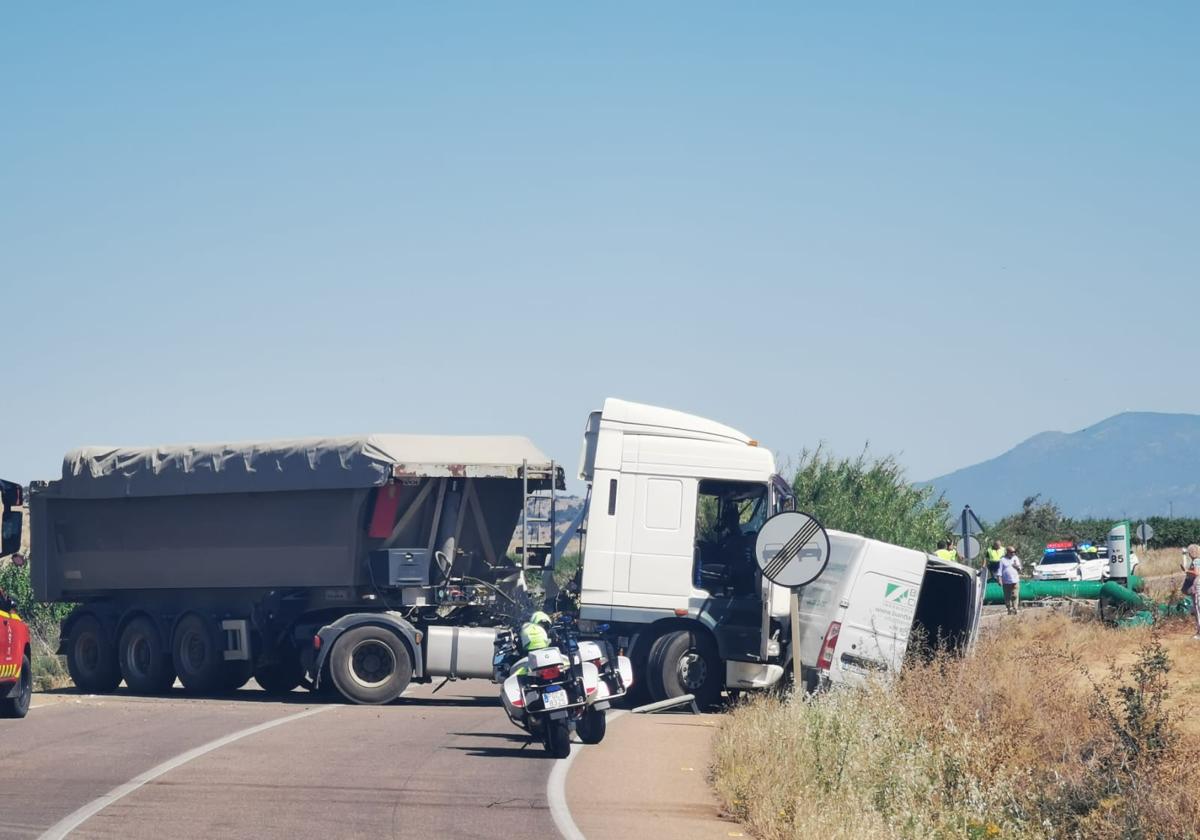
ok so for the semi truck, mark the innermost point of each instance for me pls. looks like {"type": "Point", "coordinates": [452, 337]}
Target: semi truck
{"type": "Point", "coordinates": [361, 564]}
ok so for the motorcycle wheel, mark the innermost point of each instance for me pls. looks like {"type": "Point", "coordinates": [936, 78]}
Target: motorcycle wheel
{"type": "Point", "coordinates": [592, 726]}
{"type": "Point", "coordinates": [557, 738]}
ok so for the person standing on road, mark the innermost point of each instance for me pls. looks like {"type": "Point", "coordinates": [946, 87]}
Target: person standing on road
{"type": "Point", "coordinates": [1010, 579]}
{"type": "Point", "coordinates": [993, 560]}
{"type": "Point", "coordinates": [1191, 569]}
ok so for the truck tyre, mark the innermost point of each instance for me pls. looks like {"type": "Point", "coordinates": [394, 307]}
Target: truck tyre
{"type": "Point", "coordinates": [145, 661]}
{"type": "Point", "coordinates": [557, 738]}
{"type": "Point", "coordinates": [281, 676]}
{"type": "Point", "coordinates": [370, 665]}
{"type": "Point", "coordinates": [685, 662]}
{"type": "Point", "coordinates": [592, 726]}
{"type": "Point", "coordinates": [92, 657]}
{"type": "Point", "coordinates": [18, 706]}
{"type": "Point", "coordinates": [236, 674]}
{"type": "Point", "coordinates": [198, 654]}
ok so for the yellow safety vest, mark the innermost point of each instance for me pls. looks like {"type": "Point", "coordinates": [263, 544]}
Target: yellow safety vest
{"type": "Point", "coordinates": [994, 554]}
{"type": "Point", "coordinates": [947, 554]}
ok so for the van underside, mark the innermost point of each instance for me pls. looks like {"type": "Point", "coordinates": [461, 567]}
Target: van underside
{"type": "Point", "coordinates": [944, 610]}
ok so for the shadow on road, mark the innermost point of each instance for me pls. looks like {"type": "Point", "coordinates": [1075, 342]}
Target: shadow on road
{"type": "Point", "coordinates": [530, 750]}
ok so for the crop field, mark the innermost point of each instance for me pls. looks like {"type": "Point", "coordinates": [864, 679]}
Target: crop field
{"type": "Point", "coordinates": [1056, 727]}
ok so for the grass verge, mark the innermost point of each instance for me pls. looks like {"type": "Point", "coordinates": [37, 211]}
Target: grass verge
{"type": "Point", "coordinates": [1053, 729]}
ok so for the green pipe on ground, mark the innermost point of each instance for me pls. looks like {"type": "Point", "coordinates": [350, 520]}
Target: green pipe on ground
{"type": "Point", "coordinates": [1031, 590]}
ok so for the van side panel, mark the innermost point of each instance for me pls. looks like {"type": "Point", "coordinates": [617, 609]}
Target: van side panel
{"type": "Point", "coordinates": [877, 624]}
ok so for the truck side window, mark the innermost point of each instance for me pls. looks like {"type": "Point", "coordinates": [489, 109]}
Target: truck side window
{"type": "Point", "coordinates": [729, 515]}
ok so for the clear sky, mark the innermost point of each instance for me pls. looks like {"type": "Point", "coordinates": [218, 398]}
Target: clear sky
{"type": "Point", "coordinates": [939, 227]}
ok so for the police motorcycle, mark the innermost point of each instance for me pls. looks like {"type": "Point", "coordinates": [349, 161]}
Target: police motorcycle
{"type": "Point", "coordinates": [550, 682]}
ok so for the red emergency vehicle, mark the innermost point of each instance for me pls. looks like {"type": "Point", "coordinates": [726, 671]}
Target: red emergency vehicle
{"type": "Point", "coordinates": [16, 678]}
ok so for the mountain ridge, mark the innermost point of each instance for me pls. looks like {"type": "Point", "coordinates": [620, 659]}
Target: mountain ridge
{"type": "Point", "coordinates": [1132, 464]}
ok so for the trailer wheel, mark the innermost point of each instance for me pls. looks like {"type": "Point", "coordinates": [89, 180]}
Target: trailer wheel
{"type": "Point", "coordinates": [18, 706]}
{"type": "Point", "coordinates": [685, 662]}
{"type": "Point", "coordinates": [145, 661]}
{"type": "Point", "coordinates": [92, 657]}
{"type": "Point", "coordinates": [370, 665]}
{"type": "Point", "coordinates": [197, 652]}
{"type": "Point", "coordinates": [282, 675]}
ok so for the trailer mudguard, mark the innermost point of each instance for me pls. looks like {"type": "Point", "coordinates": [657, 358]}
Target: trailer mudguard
{"type": "Point", "coordinates": [389, 619]}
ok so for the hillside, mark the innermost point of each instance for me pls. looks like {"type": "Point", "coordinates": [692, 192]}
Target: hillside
{"type": "Point", "coordinates": [1132, 465]}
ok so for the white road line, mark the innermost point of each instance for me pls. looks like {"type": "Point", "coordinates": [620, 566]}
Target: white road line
{"type": "Point", "coordinates": [556, 791]}
{"type": "Point", "coordinates": [73, 820]}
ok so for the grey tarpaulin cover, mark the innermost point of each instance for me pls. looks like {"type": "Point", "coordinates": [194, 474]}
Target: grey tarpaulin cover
{"type": "Point", "coordinates": [99, 472]}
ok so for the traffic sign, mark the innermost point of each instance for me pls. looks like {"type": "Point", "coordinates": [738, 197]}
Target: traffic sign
{"type": "Point", "coordinates": [792, 549]}
{"type": "Point", "coordinates": [1145, 533]}
{"type": "Point", "coordinates": [968, 548]}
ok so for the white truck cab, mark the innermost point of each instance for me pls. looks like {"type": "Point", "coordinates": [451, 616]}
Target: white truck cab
{"type": "Point", "coordinates": [676, 502]}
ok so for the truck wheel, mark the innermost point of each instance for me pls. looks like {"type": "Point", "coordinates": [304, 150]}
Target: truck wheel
{"type": "Point", "coordinates": [592, 726]}
{"type": "Point", "coordinates": [557, 738]}
{"type": "Point", "coordinates": [370, 665]}
{"type": "Point", "coordinates": [685, 662]}
{"type": "Point", "coordinates": [18, 707]}
{"type": "Point", "coordinates": [145, 661]}
{"type": "Point", "coordinates": [91, 657]}
{"type": "Point", "coordinates": [236, 674]}
{"type": "Point", "coordinates": [197, 653]}
{"type": "Point", "coordinates": [282, 675]}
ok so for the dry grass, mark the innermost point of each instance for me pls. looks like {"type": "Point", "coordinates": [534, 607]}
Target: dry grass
{"type": "Point", "coordinates": [1156, 562]}
{"type": "Point", "coordinates": [1033, 736]}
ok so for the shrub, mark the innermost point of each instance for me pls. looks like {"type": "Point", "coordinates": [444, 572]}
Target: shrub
{"type": "Point", "coordinates": [870, 496]}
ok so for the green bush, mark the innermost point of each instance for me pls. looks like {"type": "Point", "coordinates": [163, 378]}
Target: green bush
{"type": "Point", "coordinates": [42, 618]}
{"type": "Point", "coordinates": [870, 496]}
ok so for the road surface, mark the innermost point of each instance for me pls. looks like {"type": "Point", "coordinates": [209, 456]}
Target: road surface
{"type": "Point", "coordinates": [430, 766]}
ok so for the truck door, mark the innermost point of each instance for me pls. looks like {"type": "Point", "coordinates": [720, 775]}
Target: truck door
{"type": "Point", "coordinates": [729, 515]}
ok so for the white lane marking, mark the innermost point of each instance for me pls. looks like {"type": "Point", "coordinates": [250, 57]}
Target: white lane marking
{"type": "Point", "coordinates": [556, 791]}
{"type": "Point", "coordinates": [73, 820]}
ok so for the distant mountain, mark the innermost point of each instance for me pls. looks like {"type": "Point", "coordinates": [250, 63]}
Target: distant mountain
{"type": "Point", "coordinates": [1132, 465]}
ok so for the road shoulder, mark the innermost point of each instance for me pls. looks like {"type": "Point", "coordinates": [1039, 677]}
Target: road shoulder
{"type": "Point", "coordinates": [649, 779]}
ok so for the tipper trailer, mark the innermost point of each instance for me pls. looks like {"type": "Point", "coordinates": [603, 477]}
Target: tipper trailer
{"type": "Point", "coordinates": [366, 562]}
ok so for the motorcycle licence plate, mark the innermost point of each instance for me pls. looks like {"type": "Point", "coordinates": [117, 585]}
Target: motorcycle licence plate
{"type": "Point", "coordinates": [555, 699]}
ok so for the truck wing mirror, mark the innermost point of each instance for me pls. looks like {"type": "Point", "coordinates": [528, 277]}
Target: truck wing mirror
{"type": "Point", "coordinates": [10, 532]}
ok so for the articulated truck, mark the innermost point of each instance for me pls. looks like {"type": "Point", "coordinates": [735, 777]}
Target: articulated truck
{"type": "Point", "coordinates": [363, 564]}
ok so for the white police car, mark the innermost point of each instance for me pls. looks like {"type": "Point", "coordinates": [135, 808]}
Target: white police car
{"type": "Point", "coordinates": [1068, 561]}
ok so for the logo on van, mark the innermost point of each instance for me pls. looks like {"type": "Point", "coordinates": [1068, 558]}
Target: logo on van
{"type": "Point", "coordinates": [900, 594]}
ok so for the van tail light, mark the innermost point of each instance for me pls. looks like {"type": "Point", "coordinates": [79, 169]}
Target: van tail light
{"type": "Point", "coordinates": [825, 660]}
{"type": "Point", "coordinates": [551, 673]}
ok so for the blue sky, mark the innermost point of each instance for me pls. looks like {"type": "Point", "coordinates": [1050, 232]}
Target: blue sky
{"type": "Point", "coordinates": [940, 228]}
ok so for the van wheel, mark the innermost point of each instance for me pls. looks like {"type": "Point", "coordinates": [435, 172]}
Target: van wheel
{"type": "Point", "coordinates": [685, 662]}
{"type": "Point", "coordinates": [197, 653]}
{"type": "Point", "coordinates": [370, 665]}
{"type": "Point", "coordinates": [18, 706]}
{"type": "Point", "coordinates": [145, 661]}
{"type": "Point", "coordinates": [92, 657]}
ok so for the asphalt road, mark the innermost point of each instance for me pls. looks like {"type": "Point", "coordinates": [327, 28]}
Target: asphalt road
{"type": "Point", "coordinates": [430, 766]}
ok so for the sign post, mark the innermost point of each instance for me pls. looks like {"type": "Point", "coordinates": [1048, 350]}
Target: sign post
{"type": "Point", "coordinates": [792, 550]}
{"type": "Point", "coordinates": [969, 527]}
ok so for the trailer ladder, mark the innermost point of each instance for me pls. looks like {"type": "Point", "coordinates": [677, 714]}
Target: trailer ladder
{"type": "Point", "coordinates": [538, 516]}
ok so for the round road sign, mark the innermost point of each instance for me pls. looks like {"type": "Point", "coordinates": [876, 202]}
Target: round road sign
{"type": "Point", "coordinates": [1145, 533]}
{"type": "Point", "coordinates": [970, 550]}
{"type": "Point", "coordinates": [792, 549]}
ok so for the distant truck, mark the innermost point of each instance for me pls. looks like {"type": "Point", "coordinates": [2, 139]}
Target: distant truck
{"type": "Point", "coordinates": [364, 563]}
{"type": "Point", "coordinates": [16, 676]}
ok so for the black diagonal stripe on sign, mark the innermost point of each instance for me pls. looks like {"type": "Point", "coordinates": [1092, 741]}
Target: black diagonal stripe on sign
{"type": "Point", "coordinates": [784, 549]}
{"type": "Point", "coordinates": [792, 549]}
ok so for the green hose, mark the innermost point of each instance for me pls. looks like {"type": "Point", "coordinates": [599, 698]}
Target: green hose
{"type": "Point", "coordinates": [1032, 590]}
